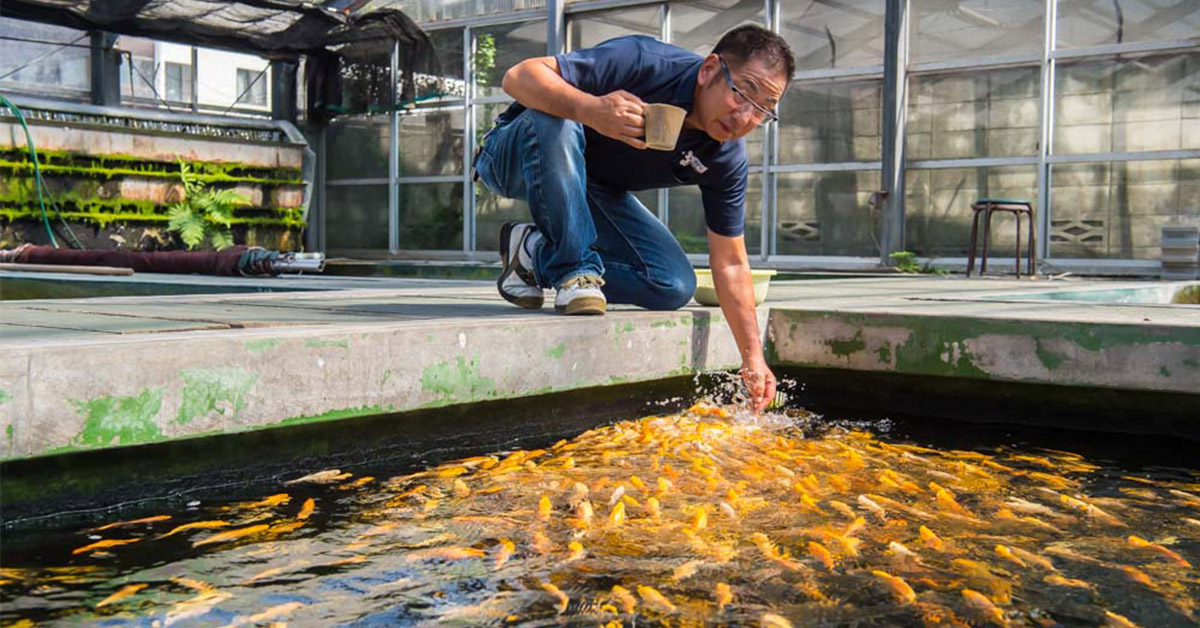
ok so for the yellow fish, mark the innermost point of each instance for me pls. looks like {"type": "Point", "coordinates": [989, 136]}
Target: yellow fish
{"type": "Point", "coordinates": [899, 588]}
{"type": "Point", "coordinates": [822, 554]}
{"type": "Point", "coordinates": [121, 594]}
{"type": "Point", "coordinates": [1139, 542]}
{"type": "Point", "coordinates": [461, 490]}
{"type": "Point", "coordinates": [624, 598]}
{"type": "Point", "coordinates": [230, 535]}
{"type": "Point", "coordinates": [561, 599]}
{"type": "Point", "coordinates": [126, 524]}
{"type": "Point", "coordinates": [931, 540]}
{"type": "Point", "coordinates": [1066, 582]}
{"type": "Point", "coordinates": [1007, 554]}
{"type": "Point", "coordinates": [686, 570]}
{"type": "Point", "coordinates": [328, 476]}
{"type": "Point", "coordinates": [544, 508]}
{"type": "Point", "coordinates": [444, 553]}
{"type": "Point", "coordinates": [724, 595]}
{"type": "Point", "coordinates": [503, 553]}
{"type": "Point", "coordinates": [198, 525]}
{"type": "Point", "coordinates": [1113, 620]}
{"type": "Point", "coordinates": [617, 515]}
{"type": "Point", "coordinates": [307, 509]}
{"type": "Point", "coordinates": [102, 544]}
{"type": "Point", "coordinates": [657, 601]}
{"type": "Point", "coordinates": [984, 607]}
{"type": "Point", "coordinates": [575, 551]}
{"type": "Point", "coordinates": [771, 620]}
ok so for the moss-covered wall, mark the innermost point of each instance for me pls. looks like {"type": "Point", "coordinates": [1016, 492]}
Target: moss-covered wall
{"type": "Point", "coordinates": [121, 201]}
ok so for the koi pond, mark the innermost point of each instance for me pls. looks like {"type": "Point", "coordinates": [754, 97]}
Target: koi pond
{"type": "Point", "coordinates": [706, 516]}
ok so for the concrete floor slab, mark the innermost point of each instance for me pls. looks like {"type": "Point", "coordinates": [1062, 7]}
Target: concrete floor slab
{"type": "Point", "coordinates": [93, 377]}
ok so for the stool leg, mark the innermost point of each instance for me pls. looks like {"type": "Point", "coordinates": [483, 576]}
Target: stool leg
{"type": "Point", "coordinates": [1017, 255]}
{"type": "Point", "coordinates": [987, 231]}
{"type": "Point", "coordinates": [1032, 245]}
{"type": "Point", "coordinates": [974, 232]}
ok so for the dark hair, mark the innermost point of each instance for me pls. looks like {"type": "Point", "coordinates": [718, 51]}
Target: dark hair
{"type": "Point", "coordinates": [755, 42]}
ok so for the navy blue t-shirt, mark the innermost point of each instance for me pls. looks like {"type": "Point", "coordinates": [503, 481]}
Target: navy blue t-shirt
{"type": "Point", "coordinates": [657, 72]}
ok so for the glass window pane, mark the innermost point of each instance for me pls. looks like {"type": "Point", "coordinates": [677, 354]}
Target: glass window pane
{"type": "Point", "coordinates": [431, 216]}
{"type": "Point", "coordinates": [430, 11]}
{"type": "Point", "coordinates": [1150, 103]}
{"type": "Point", "coordinates": [827, 213]}
{"type": "Point", "coordinates": [585, 30]}
{"type": "Point", "coordinates": [938, 208]}
{"type": "Point", "coordinates": [356, 147]}
{"type": "Point", "coordinates": [139, 82]}
{"type": "Point", "coordinates": [827, 35]}
{"type": "Point", "coordinates": [978, 114]}
{"type": "Point", "coordinates": [1117, 209]}
{"type": "Point", "coordinates": [492, 211]}
{"type": "Point", "coordinates": [1100, 22]}
{"type": "Point", "coordinates": [431, 142]}
{"type": "Point", "coordinates": [44, 68]}
{"type": "Point", "coordinates": [831, 122]}
{"type": "Point", "coordinates": [950, 31]}
{"type": "Point", "coordinates": [697, 26]}
{"type": "Point", "coordinates": [686, 217]}
{"type": "Point", "coordinates": [447, 82]}
{"type": "Point", "coordinates": [500, 47]}
{"type": "Point", "coordinates": [356, 216]}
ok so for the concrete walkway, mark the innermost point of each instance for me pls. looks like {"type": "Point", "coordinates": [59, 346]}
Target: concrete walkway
{"type": "Point", "coordinates": [84, 374]}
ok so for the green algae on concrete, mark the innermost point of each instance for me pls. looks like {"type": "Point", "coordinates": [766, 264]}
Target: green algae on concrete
{"type": "Point", "coordinates": [557, 351]}
{"type": "Point", "coordinates": [119, 420]}
{"type": "Point", "coordinates": [206, 390]}
{"type": "Point", "coordinates": [844, 348]}
{"type": "Point", "coordinates": [1049, 359]}
{"type": "Point", "coordinates": [332, 415]}
{"type": "Point", "coordinates": [457, 380]}
{"type": "Point", "coordinates": [261, 345]}
{"type": "Point", "coordinates": [320, 344]}
{"type": "Point", "coordinates": [4, 396]}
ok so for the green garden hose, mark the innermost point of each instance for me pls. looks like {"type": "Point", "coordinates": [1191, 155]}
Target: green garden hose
{"type": "Point", "coordinates": [39, 183]}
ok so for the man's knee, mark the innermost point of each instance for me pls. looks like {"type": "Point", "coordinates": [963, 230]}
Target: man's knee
{"type": "Point", "coordinates": [676, 291]}
{"type": "Point", "coordinates": [553, 129]}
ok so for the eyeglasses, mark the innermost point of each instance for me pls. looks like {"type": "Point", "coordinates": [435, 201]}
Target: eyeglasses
{"type": "Point", "coordinates": [761, 112]}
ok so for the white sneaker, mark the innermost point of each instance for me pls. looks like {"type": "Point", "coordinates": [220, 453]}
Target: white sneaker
{"type": "Point", "coordinates": [581, 295]}
{"type": "Point", "coordinates": [516, 283]}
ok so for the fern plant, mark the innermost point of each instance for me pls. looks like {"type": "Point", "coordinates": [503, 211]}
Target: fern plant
{"type": "Point", "coordinates": [203, 214]}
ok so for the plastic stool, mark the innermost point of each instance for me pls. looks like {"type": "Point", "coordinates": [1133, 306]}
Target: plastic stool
{"type": "Point", "coordinates": [1017, 207]}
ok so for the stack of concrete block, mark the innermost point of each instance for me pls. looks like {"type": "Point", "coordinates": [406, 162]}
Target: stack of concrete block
{"type": "Point", "coordinates": [1180, 251]}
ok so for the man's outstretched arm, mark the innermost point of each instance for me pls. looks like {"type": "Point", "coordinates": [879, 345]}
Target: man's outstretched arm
{"type": "Point", "coordinates": [735, 291]}
{"type": "Point", "coordinates": [538, 84]}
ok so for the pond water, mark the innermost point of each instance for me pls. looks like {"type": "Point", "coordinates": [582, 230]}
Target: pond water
{"type": "Point", "coordinates": [703, 517]}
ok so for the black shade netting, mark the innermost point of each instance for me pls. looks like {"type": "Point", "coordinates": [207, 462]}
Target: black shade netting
{"type": "Point", "coordinates": [349, 68]}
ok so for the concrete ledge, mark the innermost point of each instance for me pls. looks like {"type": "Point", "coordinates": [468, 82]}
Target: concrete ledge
{"type": "Point", "coordinates": [1062, 352]}
{"type": "Point", "coordinates": [64, 396]}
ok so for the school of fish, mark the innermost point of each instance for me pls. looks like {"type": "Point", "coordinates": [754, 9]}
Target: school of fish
{"type": "Point", "coordinates": [696, 518]}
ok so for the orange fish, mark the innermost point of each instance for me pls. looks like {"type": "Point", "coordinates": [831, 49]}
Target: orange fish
{"type": "Point", "coordinates": [561, 599]}
{"type": "Point", "coordinates": [504, 552]}
{"type": "Point", "coordinates": [306, 510]}
{"type": "Point", "coordinates": [984, 607]}
{"type": "Point", "coordinates": [102, 544]}
{"type": "Point", "coordinates": [444, 553]}
{"type": "Point", "coordinates": [931, 540]}
{"type": "Point", "coordinates": [822, 554]}
{"type": "Point", "coordinates": [123, 593]}
{"type": "Point", "coordinates": [126, 524]}
{"type": "Point", "coordinates": [624, 598]}
{"type": "Point", "coordinates": [899, 588]}
{"type": "Point", "coordinates": [1139, 542]}
{"type": "Point", "coordinates": [544, 508]}
{"type": "Point", "coordinates": [657, 601]}
{"type": "Point", "coordinates": [724, 595]}
{"type": "Point", "coordinates": [230, 535]}
{"type": "Point", "coordinates": [198, 525]}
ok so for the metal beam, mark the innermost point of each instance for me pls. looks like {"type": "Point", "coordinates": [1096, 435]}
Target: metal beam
{"type": "Point", "coordinates": [1046, 131]}
{"type": "Point", "coordinates": [283, 90]}
{"type": "Point", "coordinates": [895, 108]}
{"type": "Point", "coordinates": [106, 69]}
{"type": "Point", "coordinates": [555, 27]}
{"type": "Point", "coordinates": [394, 158]}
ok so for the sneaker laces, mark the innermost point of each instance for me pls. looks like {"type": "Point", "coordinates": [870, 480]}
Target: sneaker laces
{"type": "Point", "coordinates": [583, 282]}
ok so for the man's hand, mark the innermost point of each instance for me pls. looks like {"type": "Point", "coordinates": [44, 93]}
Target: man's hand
{"type": "Point", "coordinates": [760, 382]}
{"type": "Point", "coordinates": [619, 115]}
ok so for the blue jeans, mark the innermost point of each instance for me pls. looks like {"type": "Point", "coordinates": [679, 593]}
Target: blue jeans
{"type": "Point", "coordinates": [587, 228]}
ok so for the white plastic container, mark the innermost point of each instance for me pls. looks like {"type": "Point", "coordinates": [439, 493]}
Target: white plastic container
{"type": "Point", "coordinates": [706, 294]}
